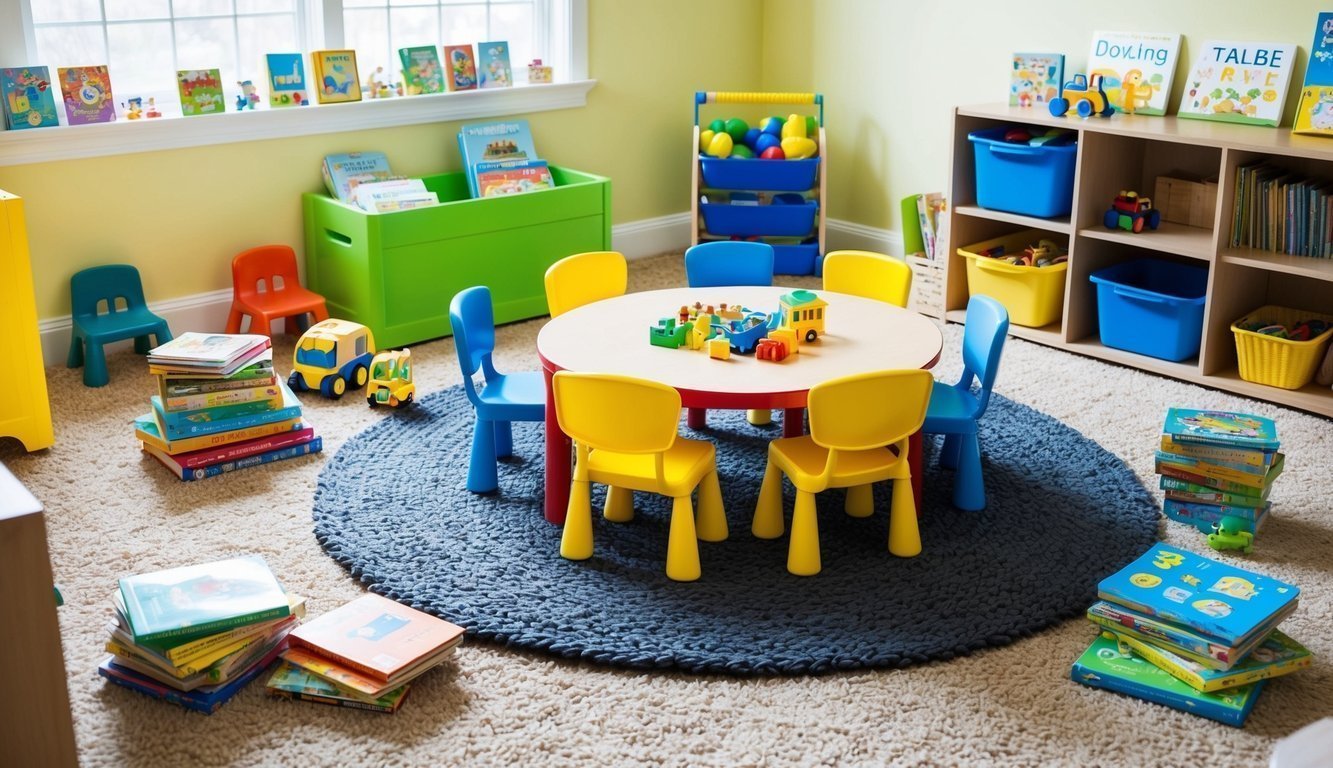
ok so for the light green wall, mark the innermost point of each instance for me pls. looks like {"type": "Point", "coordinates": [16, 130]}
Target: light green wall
{"type": "Point", "coordinates": [890, 71]}
{"type": "Point", "coordinates": [181, 215]}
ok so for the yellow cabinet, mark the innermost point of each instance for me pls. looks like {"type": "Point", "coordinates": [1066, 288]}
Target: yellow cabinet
{"type": "Point", "coordinates": [25, 412]}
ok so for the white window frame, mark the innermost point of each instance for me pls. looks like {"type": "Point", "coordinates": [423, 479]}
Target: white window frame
{"type": "Point", "coordinates": [39, 145]}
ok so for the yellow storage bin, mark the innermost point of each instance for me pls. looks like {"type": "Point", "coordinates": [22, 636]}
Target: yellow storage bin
{"type": "Point", "coordinates": [1034, 296]}
{"type": "Point", "coordinates": [1274, 361]}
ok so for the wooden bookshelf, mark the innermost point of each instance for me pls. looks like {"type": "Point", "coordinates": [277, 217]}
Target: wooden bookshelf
{"type": "Point", "coordinates": [1130, 152]}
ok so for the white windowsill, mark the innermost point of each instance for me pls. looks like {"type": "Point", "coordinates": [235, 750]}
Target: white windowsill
{"type": "Point", "coordinates": [40, 145]}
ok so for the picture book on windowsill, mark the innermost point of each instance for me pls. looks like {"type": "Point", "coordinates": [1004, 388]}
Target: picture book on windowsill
{"type": "Point", "coordinates": [201, 91]}
{"type": "Point", "coordinates": [493, 70]}
{"type": "Point", "coordinates": [1238, 82]}
{"type": "Point", "coordinates": [287, 85]}
{"type": "Point", "coordinates": [87, 92]}
{"type": "Point", "coordinates": [462, 74]}
{"type": "Point", "coordinates": [27, 98]}
{"type": "Point", "coordinates": [1136, 69]}
{"type": "Point", "coordinates": [335, 75]}
{"type": "Point", "coordinates": [421, 70]}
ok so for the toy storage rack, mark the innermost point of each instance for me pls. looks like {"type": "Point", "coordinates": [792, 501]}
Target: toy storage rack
{"type": "Point", "coordinates": [802, 259]}
{"type": "Point", "coordinates": [1129, 152]}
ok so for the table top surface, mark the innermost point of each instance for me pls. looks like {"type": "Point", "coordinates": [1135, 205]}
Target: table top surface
{"type": "Point", "coordinates": [862, 335]}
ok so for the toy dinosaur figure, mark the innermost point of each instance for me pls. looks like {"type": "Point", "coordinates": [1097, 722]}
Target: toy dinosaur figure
{"type": "Point", "coordinates": [1134, 93]}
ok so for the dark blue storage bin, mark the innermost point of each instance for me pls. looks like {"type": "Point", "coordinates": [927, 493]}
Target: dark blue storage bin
{"type": "Point", "coordinates": [758, 174]}
{"type": "Point", "coordinates": [1036, 181]}
{"type": "Point", "coordinates": [795, 259]}
{"type": "Point", "coordinates": [1151, 307]}
{"type": "Point", "coordinates": [776, 220]}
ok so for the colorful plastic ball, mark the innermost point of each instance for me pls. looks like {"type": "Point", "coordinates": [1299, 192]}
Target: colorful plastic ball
{"type": "Point", "coordinates": [811, 126]}
{"type": "Point", "coordinates": [794, 127]}
{"type": "Point", "coordinates": [752, 137]}
{"type": "Point", "coordinates": [742, 151]}
{"type": "Point", "coordinates": [772, 153]}
{"type": "Point", "coordinates": [1017, 135]}
{"type": "Point", "coordinates": [798, 147]}
{"type": "Point", "coordinates": [772, 126]}
{"type": "Point", "coordinates": [718, 126]}
{"type": "Point", "coordinates": [720, 146]}
{"type": "Point", "coordinates": [706, 138]}
{"type": "Point", "coordinates": [737, 128]}
{"type": "Point", "coordinates": [765, 141]}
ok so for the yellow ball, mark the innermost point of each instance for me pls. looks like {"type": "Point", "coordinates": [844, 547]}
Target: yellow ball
{"type": "Point", "coordinates": [705, 137]}
{"type": "Point", "coordinates": [720, 145]}
{"type": "Point", "coordinates": [794, 127]}
{"type": "Point", "coordinates": [798, 147]}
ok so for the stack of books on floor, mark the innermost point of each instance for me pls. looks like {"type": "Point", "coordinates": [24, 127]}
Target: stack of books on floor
{"type": "Point", "coordinates": [196, 635]}
{"type": "Point", "coordinates": [1216, 465]}
{"type": "Point", "coordinates": [1192, 633]}
{"type": "Point", "coordinates": [220, 407]}
{"type": "Point", "coordinates": [363, 655]}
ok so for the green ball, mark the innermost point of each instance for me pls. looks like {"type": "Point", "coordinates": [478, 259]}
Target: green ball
{"type": "Point", "coordinates": [811, 126]}
{"type": "Point", "coordinates": [742, 151]}
{"type": "Point", "coordinates": [737, 128]}
{"type": "Point", "coordinates": [718, 126]}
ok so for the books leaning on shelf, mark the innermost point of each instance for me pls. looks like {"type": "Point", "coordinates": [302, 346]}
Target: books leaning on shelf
{"type": "Point", "coordinates": [1283, 212]}
{"type": "Point", "coordinates": [345, 171]}
{"type": "Point", "coordinates": [1192, 633]}
{"type": "Point", "coordinates": [506, 141]}
{"type": "Point", "coordinates": [394, 195]}
{"type": "Point", "coordinates": [368, 651]}
{"type": "Point", "coordinates": [195, 635]}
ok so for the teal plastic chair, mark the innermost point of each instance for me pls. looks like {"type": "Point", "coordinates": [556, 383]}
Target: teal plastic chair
{"type": "Point", "coordinates": [93, 328]}
{"type": "Point", "coordinates": [729, 262]}
{"type": "Point", "coordinates": [956, 409]}
{"type": "Point", "coordinates": [504, 398]}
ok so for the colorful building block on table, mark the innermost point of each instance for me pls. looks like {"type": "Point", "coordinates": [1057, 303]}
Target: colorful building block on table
{"type": "Point", "coordinates": [719, 348]}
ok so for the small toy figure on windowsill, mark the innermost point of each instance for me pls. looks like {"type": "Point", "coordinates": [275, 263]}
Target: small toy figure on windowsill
{"type": "Point", "coordinates": [376, 88]}
{"type": "Point", "coordinates": [538, 73]}
{"type": "Point", "coordinates": [133, 108]}
{"type": "Point", "coordinates": [249, 96]}
{"type": "Point", "coordinates": [151, 109]}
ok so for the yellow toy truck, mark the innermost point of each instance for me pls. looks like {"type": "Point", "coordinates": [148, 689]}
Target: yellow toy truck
{"type": "Point", "coordinates": [1085, 94]}
{"type": "Point", "coordinates": [391, 379]}
{"type": "Point", "coordinates": [332, 356]}
{"type": "Point", "coordinates": [803, 312]}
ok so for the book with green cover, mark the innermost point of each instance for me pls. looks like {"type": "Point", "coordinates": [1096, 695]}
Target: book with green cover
{"type": "Point", "coordinates": [167, 608]}
{"type": "Point", "coordinates": [422, 72]}
{"type": "Point", "coordinates": [1113, 666]}
{"type": "Point", "coordinates": [1200, 648]}
{"type": "Point", "coordinates": [1205, 495]}
{"type": "Point", "coordinates": [291, 682]}
{"type": "Point", "coordinates": [1277, 655]}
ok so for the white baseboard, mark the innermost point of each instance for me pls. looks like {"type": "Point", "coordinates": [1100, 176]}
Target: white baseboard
{"type": "Point", "coordinates": [635, 239]}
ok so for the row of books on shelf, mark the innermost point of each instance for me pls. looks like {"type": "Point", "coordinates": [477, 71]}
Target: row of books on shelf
{"type": "Point", "coordinates": [1191, 633]}
{"type": "Point", "coordinates": [221, 407]}
{"type": "Point", "coordinates": [195, 635]}
{"type": "Point", "coordinates": [1217, 469]}
{"type": "Point", "coordinates": [28, 96]}
{"type": "Point", "coordinates": [1276, 210]}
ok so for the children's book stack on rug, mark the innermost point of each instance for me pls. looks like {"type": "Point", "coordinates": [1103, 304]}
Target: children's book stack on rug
{"type": "Point", "coordinates": [196, 635]}
{"type": "Point", "coordinates": [220, 407]}
{"type": "Point", "coordinates": [1192, 633]}
{"type": "Point", "coordinates": [363, 655]}
{"type": "Point", "coordinates": [1218, 468]}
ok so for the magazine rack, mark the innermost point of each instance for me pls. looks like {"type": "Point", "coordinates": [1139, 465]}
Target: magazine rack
{"type": "Point", "coordinates": [796, 231]}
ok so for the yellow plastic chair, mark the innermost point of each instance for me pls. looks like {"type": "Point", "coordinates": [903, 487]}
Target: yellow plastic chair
{"type": "Point", "coordinates": [872, 275]}
{"type": "Point", "coordinates": [624, 433]}
{"type": "Point", "coordinates": [584, 278]}
{"type": "Point", "coordinates": [849, 446]}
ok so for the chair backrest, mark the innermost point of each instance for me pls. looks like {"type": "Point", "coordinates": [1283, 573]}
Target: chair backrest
{"type": "Point", "coordinates": [584, 278]}
{"type": "Point", "coordinates": [473, 323]}
{"type": "Point", "coordinates": [616, 413]}
{"type": "Point", "coordinates": [91, 286]}
{"type": "Point", "coordinates": [869, 410]}
{"type": "Point", "coordinates": [983, 341]}
{"type": "Point", "coordinates": [250, 269]}
{"type": "Point", "coordinates": [872, 275]}
{"type": "Point", "coordinates": [729, 262]}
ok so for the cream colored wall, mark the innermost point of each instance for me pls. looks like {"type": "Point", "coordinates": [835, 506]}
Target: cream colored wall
{"type": "Point", "coordinates": [892, 71]}
{"type": "Point", "coordinates": [181, 215]}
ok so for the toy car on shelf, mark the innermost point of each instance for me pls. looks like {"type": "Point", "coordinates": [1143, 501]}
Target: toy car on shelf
{"type": "Point", "coordinates": [332, 356]}
{"type": "Point", "coordinates": [1085, 95]}
{"type": "Point", "coordinates": [1132, 213]}
{"type": "Point", "coordinates": [391, 379]}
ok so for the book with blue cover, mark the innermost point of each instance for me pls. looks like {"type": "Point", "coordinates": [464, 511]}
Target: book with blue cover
{"type": "Point", "coordinates": [206, 699]}
{"type": "Point", "coordinates": [287, 85]}
{"type": "Point", "coordinates": [1113, 666]}
{"type": "Point", "coordinates": [183, 424]}
{"type": "Point", "coordinates": [1224, 428]}
{"type": "Point", "coordinates": [28, 98]}
{"type": "Point", "coordinates": [314, 445]}
{"type": "Point", "coordinates": [168, 608]}
{"type": "Point", "coordinates": [1214, 598]}
{"type": "Point", "coordinates": [489, 142]}
{"type": "Point", "coordinates": [1205, 650]}
{"type": "Point", "coordinates": [1203, 516]}
{"type": "Point", "coordinates": [511, 177]}
{"type": "Point", "coordinates": [1314, 112]}
{"type": "Point", "coordinates": [345, 170]}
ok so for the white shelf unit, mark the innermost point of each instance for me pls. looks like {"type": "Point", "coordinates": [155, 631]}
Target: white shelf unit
{"type": "Point", "coordinates": [1129, 152]}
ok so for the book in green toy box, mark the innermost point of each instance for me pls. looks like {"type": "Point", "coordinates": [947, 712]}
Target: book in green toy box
{"type": "Point", "coordinates": [1216, 599]}
{"type": "Point", "coordinates": [170, 607]}
{"type": "Point", "coordinates": [1112, 665]}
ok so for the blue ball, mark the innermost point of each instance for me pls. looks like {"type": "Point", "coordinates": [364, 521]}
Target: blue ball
{"type": "Point", "coordinates": [765, 141]}
{"type": "Point", "coordinates": [751, 136]}
{"type": "Point", "coordinates": [772, 126]}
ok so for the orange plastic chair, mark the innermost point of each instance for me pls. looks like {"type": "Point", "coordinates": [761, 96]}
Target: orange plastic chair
{"type": "Point", "coordinates": [266, 287]}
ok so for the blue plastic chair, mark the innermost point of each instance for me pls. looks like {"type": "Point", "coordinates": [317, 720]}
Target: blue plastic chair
{"type": "Point", "coordinates": [87, 289]}
{"type": "Point", "coordinates": [729, 262]}
{"type": "Point", "coordinates": [956, 409]}
{"type": "Point", "coordinates": [503, 399]}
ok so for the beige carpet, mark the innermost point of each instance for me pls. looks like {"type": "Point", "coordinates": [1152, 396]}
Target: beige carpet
{"type": "Point", "coordinates": [112, 511]}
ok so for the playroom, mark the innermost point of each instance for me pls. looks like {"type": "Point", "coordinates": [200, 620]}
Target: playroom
{"type": "Point", "coordinates": [572, 382]}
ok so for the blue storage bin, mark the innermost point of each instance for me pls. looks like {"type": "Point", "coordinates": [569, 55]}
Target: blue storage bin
{"type": "Point", "coordinates": [758, 174]}
{"type": "Point", "coordinates": [774, 219]}
{"type": "Point", "coordinates": [1036, 181]}
{"type": "Point", "coordinates": [1151, 307]}
{"type": "Point", "coordinates": [795, 259]}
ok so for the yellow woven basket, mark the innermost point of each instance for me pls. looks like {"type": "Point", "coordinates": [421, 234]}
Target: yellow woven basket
{"type": "Point", "coordinates": [1279, 362]}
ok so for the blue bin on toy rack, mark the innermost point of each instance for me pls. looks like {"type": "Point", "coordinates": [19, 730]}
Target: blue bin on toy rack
{"type": "Point", "coordinates": [774, 219]}
{"type": "Point", "coordinates": [1019, 178]}
{"type": "Point", "coordinates": [1152, 307]}
{"type": "Point", "coordinates": [770, 175]}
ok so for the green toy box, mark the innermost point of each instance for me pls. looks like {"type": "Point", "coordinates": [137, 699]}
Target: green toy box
{"type": "Point", "coordinates": [396, 272]}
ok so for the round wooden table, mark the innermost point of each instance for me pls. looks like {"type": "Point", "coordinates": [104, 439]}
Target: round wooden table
{"type": "Point", "coordinates": [611, 336]}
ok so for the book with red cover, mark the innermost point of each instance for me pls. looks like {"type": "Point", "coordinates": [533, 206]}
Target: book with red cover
{"type": "Point", "coordinates": [233, 451]}
{"type": "Point", "coordinates": [378, 637]}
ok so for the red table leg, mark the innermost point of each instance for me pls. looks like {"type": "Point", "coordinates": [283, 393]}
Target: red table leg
{"type": "Point", "coordinates": [793, 422]}
{"type": "Point", "coordinates": [558, 447]}
{"type": "Point", "coordinates": [696, 418]}
{"type": "Point", "coordinates": [914, 460]}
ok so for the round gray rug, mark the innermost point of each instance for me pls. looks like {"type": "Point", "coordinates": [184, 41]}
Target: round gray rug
{"type": "Point", "coordinates": [1062, 513]}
